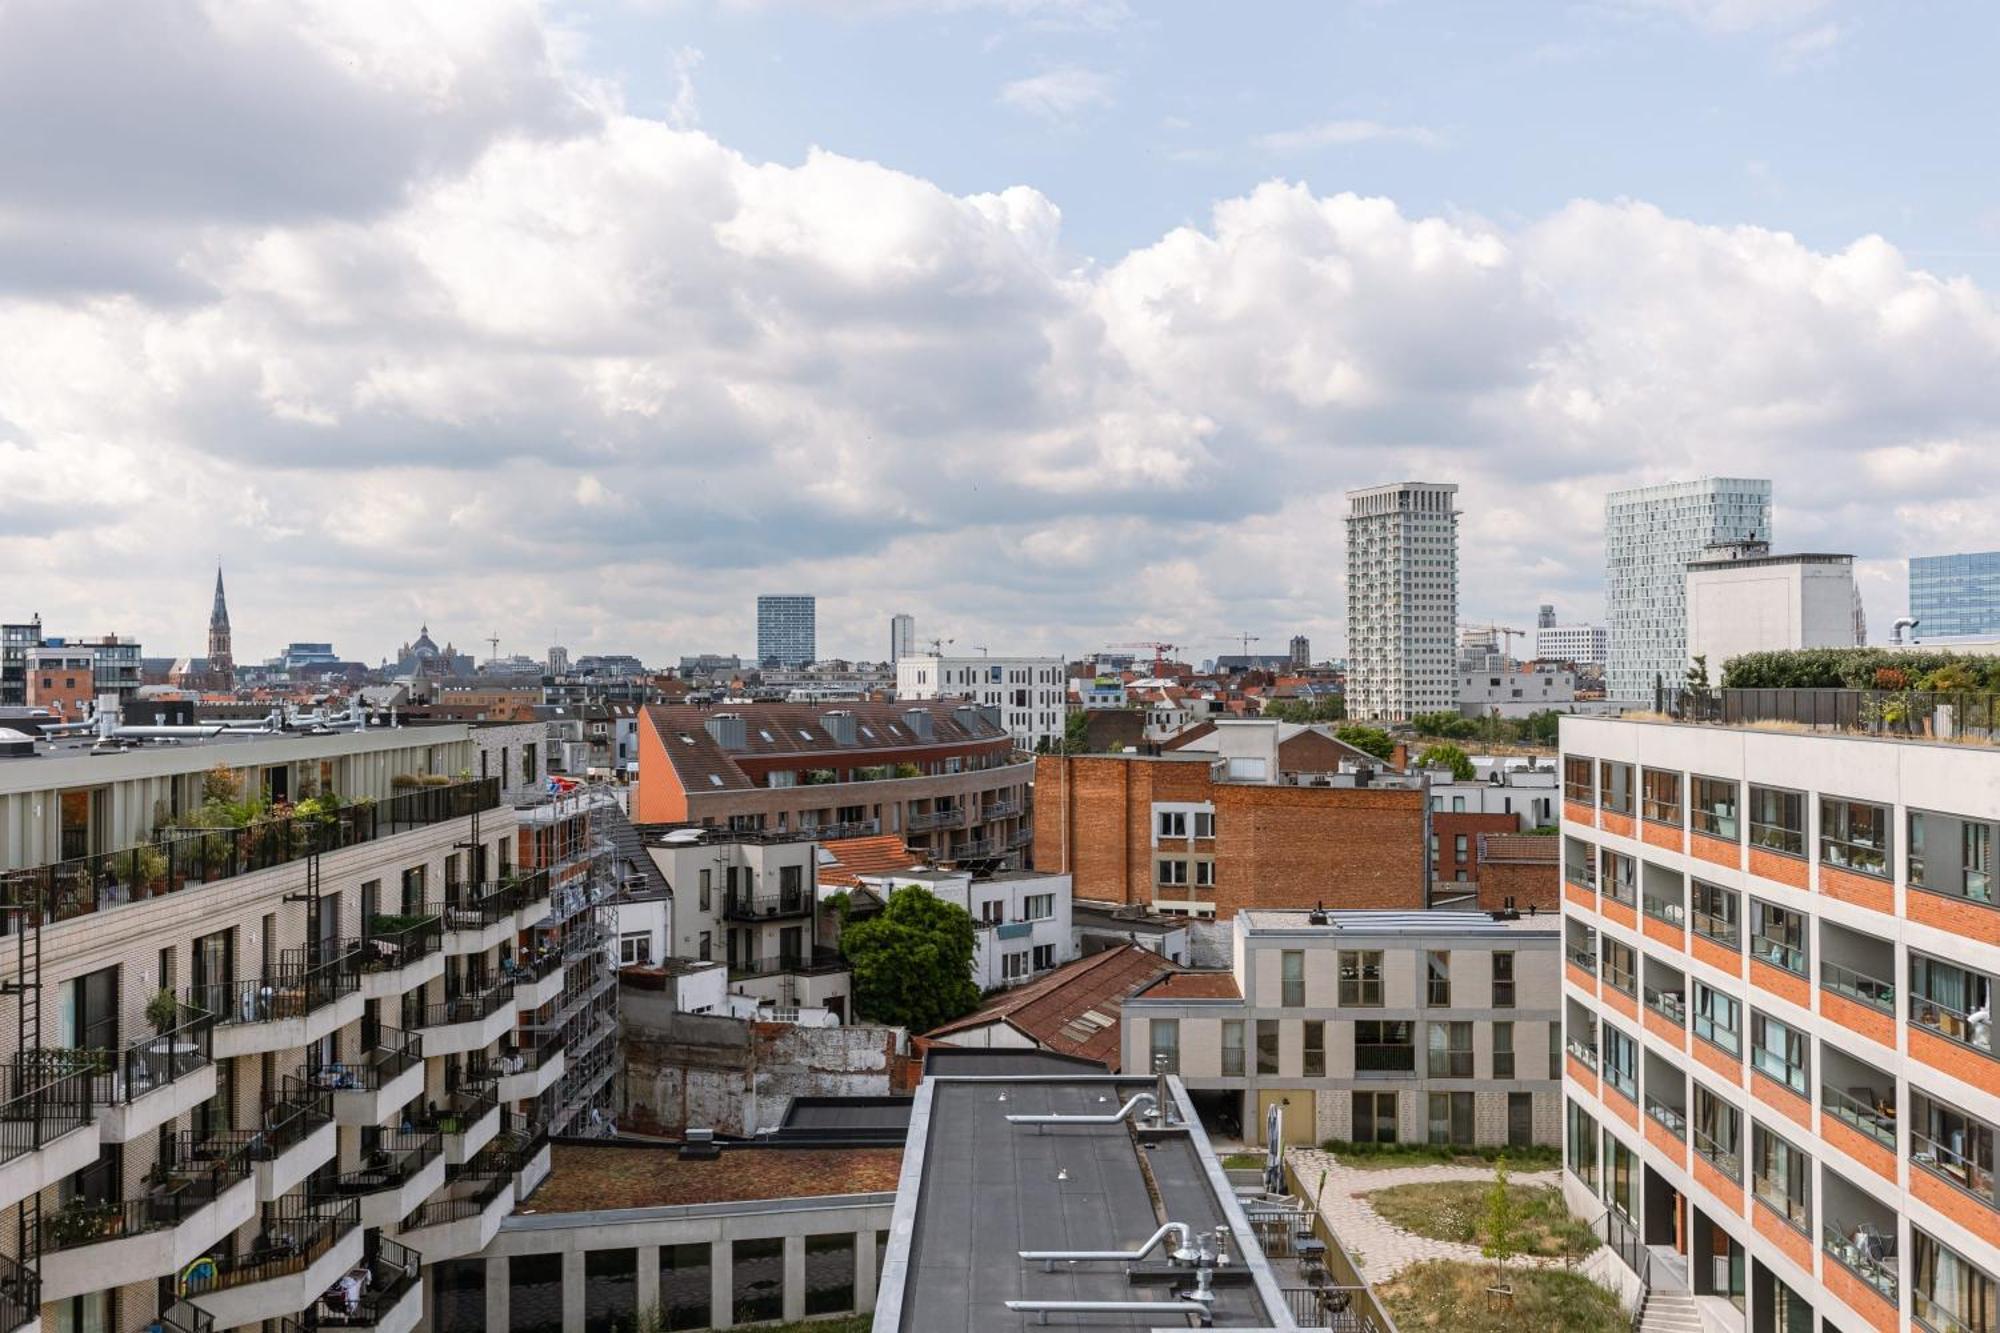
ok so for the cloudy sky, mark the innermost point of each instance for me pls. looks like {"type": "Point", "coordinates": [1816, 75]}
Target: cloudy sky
{"type": "Point", "coordinates": [1054, 322]}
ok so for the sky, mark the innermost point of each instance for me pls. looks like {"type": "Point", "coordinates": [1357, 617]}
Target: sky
{"type": "Point", "coordinates": [1055, 323]}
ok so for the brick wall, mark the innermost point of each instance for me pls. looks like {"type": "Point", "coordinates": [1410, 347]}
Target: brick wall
{"type": "Point", "coordinates": [1528, 885]}
{"type": "Point", "coordinates": [1274, 846]}
{"type": "Point", "coordinates": [1448, 828]}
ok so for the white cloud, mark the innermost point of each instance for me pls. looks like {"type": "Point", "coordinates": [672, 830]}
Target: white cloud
{"type": "Point", "coordinates": [684, 111]}
{"type": "Point", "coordinates": [1058, 94]}
{"type": "Point", "coordinates": [1735, 15]}
{"type": "Point", "coordinates": [1339, 133]}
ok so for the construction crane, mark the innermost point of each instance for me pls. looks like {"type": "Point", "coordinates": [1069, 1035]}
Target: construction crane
{"type": "Point", "coordinates": [1502, 635]}
{"type": "Point", "coordinates": [1158, 649]}
{"type": "Point", "coordinates": [1246, 640]}
{"type": "Point", "coordinates": [939, 645]}
{"type": "Point", "coordinates": [494, 640]}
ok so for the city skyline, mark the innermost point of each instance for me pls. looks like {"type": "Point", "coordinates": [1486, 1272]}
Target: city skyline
{"type": "Point", "coordinates": [1162, 316]}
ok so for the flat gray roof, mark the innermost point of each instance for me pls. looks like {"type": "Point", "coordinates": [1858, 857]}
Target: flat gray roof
{"type": "Point", "coordinates": [1387, 922]}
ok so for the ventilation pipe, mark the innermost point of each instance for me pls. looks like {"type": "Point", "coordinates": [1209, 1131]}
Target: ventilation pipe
{"type": "Point", "coordinates": [1182, 1253]}
{"type": "Point", "coordinates": [1043, 1309]}
{"type": "Point", "coordinates": [1116, 1117]}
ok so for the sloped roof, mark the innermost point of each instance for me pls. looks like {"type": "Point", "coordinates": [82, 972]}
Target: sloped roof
{"type": "Point", "coordinates": [1520, 848]}
{"type": "Point", "coordinates": [852, 858]}
{"type": "Point", "coordinates": [775, 729]}
{"type": "Point", "coordinates": [1075, 1009]}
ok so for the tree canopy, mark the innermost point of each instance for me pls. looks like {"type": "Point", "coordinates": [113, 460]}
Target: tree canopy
{"type": "Point", "coordinates": [1372, 739]}
{"type": "Point", "coordinates": [1446, 755]}
{"type": "Point", "coordinates": [912, 962]}
{"type": "Point", "coordinates": [1326, 708]}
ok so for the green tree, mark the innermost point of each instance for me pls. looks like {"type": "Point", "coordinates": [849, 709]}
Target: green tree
{"type": "Point", "coordinates": [1697, 675]}
{"type": "Point", "coordinates": [1372, 739]}
{"type": "Point", "coordinates": [912, 961]}
{"type": "Point", "coordinates": [1503, 1220]}
{"type": "Point", "coordinates": [1450, 726]}
{"type": "Point", "coordinates": [1444, 754]}
{"type": "Point", "coordinates": [1076, 733]}
{"type": "Point", "coordinates": [1326, 708]}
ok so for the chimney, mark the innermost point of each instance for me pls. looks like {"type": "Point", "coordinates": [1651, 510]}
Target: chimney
{"type": "Point", "coordinates": [918, 720]}
{"type": "Point", "coordinates": [1399, 758]}
{"type": "Point", "coordinates": [728, 730]}
{"type": "Point", "coordinates": [839, 724]}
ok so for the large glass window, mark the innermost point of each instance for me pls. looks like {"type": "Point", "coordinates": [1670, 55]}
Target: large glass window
{"type": "Point", "coordinates": [1660, 793]}
{"type": "Point", "coordinates": [1619, 967]}
{"type": "Point", "coordinates": [1384, 1048]}
{"type": "Point", "coordinates": [610, 1288]}
{"type": "Point", "coordinates": [1952, 1144]}
{"type": "Point", "coordinates": [1292, 978]}
{"type": "Point", "coordinates": [1780, 1052]}
{"type": "Point", "coordinates": [1267, 1045]}
{"type": "Point", "coordinates": [1314, 1049]}
{"type": "Point", "coordinates": [458, 1296]}
{"type": "Point", "coordinates": [1614, 787]}
{"type": "Point", "coordinates": [1778, 820]}
{"type": "Point", "coordinates": [1718, 1132]}
{"type": "Point", "coordinates": [1621, 1176]}
{"type": "Point", "coordinates": [1621, 1062]}
{"type": "Point", "coordinates": [1503, 1050]}
{"type": "Point", "coordinates": [1374, 1117]}
{"type": "Point", "coordinates": [1950, 855]}
{"type": "Point", "coordinates": [1781, 1177]}
{"type": "Point", "coordinates": [1952, 1001]}
{"type": "Point", "coordinates": [1948, 1294]}
{"type": "Point", "coordinates": [1450, 1050]}
{"type": "Point", "coordinates": [1618, 876]}
{"type": "Point", "coordinates": [1854, 836]}
{"type": "Point", "coordinates": [829, 1273]}
{"type": "Point", "coordinates": [1451, 1117]}
{"type": "Point", "coordinates": [686, 1283]}
{"type": "Point", "coordinates": [1437, 978]}
{"type": "Point", "coordinates": [1717, 913]}
{"type": "Point", "coordinates": [1582, 1145]}
{"type": "Point", "coordinates": [1718, 1018]}
{"type": "Point", "coordinates": [1579, 779]}
{"type": "Point", "coordinates": [1714, 807]}
{"type": "Point", "coordinates": [1361, 978]}
{"type": "Point", "coordinates": [1503, 979]}
{"type": "Point", "coordinates": [758, 1290]}
{"type": "Point", "coordinates": [1166, 1048]}
{"type": "Point", "coordinates": [1778, 936]}
{"type": "Point", "coordinates": [1232, 1048]}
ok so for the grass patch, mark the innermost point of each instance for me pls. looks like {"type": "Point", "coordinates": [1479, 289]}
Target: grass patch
{"type": "Point", "coordinates": [1447, 1294]}
{"type": "Point", "coordinates": [1456, 1210]}
{"type": "Point", "coordinates": [1243, 1161]}
{"type": "Point", "coordinates": [1382, 1156]}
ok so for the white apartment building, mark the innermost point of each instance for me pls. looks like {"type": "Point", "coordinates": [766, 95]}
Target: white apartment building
{"type": "Point", "coordinates": [1402, 600]}
{"type": "Point", "coordinates": [1031, 693]}
{"type": "Point", "coordinates": [1782, 949]}
{"type": "Point", "coordinates": [255, 1056]}
{"type": "Point", "coordinates": [1497, 688]}
{"type": "Point", "coordinates": [1742, 599]}
{"type": "Point", "coordinates": [1650, 536]}
{"type": "Point", "coordinates": [1584, 645]}
{"type": "Point", "coordinates": [1525, 791]}
{"type": "Point", "coordinates": [1021, 920]}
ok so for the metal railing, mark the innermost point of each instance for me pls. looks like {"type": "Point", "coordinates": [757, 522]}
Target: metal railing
{"type": "Point", "coordinates": [1668, 1004]}
{"type": "Point", "coordinates": [1969, 1174]}
{"type": "Point", "coordinates": [1584, 957]}
{"type": "Point", "coordinates": [1851, 1249]}
{"type": "Point", "coordinates": [1858, 986]}
{"type": "Point", "coordinates": [1582, 1052]}
{"type": "Point", "coordinates": [394, 942]}
{"type": "Point", "coordinates": [392, 1271]}
{"type": "Point", "coordinates": [472, 1193]}
{"type": "Point", "coordinates": [492, 903]}
{"type": "Point", "coordinates": [289, 990]}
{"type": "Point", "coordinates": [1327, 1307]}
{"type": "Point", "coordinates": [1778, 953]}
{"type": "Point", "coordinates": [817, 960]}
{"type": "Point", "coordinates": [1952, 1023]}
{"type": "Point", "coordinates": [1670, 910]}
{"type": "Point", "coordinates": [55, 1093]}
{"type": "Point", "coordinates": [183, 1316]}
{"type": "Point", "coordinates": [397, 1159]}
{"type": "Point", "coordinates": [195, 1175]}
{"type": "Point", "coordinates": [20, 1293]}
{"type": "Point", "coordinates": [1906, 713]}
{"type": "Point", "coordinates": [931, 819]}
{"type": "Point", "coordinates": [1672, 1118]}
{"type": "Point", "coordinates": [999, 810]}
{"type": "Point", "coordinates": [459, 1112]}
{"type": "Point", "coordinates": [1859, 1114]}
{"type": "Point", "coordinates": [299, 1110]}
{"type": "Point", "coordinates": [465, 1008]}
{"type": "Point", "coordinates": [394, 1054]}
{"type": "Point", "coordinates": [1726, 1160]}
{"type": "Point", "coordinates": [756, 907]}
{"type": "Point", "coordinates": [530, 968]}
{"type": "Point", "coordinates": [1582, 876]}
{"type": "Point", "coordinates": [295, 1233]}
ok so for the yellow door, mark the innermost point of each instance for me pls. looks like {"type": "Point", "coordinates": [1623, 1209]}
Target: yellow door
{"type": "Point", "coordinates": [1296, 1106]}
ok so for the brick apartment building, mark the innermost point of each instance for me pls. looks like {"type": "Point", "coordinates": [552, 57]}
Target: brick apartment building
{"type": "Point", "coordinates": [1253, 813]}
{"type": "Point", "coordinates": [1522, 867]}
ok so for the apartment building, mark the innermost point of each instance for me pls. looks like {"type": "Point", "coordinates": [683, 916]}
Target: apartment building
{"type": "Point", "coordinates": [1253, 813]}
{"type": "Point", "coordinates": [1385, 1027]}
{"type": "Point", "coordinates": [1781, 949]}
{"type": "Point", "coordinates": [1021, 920]}
{"type": "Point", "coordinates": [941, 775]}
{"type": "Point", "coordinates": [1651, 533]}
{"type": "Point", "coordinates": [1402, 600]}
{"type": "Point", "coordinates": [1029, 694]}
{"type": "Point", "coordinates": [787, 629]}
{"type": "Point", "coordinates": [1955, 595]}
{"type": "Point", "coordinates": [1743, 599]}
{"type": "Point", "coordinates": [261, 1053]}
{"type": "Point", "coordinates": [1583, 644]}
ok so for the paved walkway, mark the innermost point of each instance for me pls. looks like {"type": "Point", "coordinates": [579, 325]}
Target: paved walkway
{"type": "Point", "coordinates": [1385, 1250]}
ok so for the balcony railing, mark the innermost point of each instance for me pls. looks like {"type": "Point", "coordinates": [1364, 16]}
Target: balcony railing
{"type": "Point", "coordinates": [477, 1184]}
{"type": "Point", "coordinates": [1778, 953]}
{"type": "Point", "coordinates": [1862, 1250]}
{"type": "Point", "coordinates": [1728, 1161]}
{"type": "Point", "coordinates": [1584, 956]}
{"type": "Point", "coordinates": [396, 1160]}
{"type": "Point", "coordinates": [1858, 986]}
{"type": "Point", "coordinates": [392, 1270]}
{"type": "Point", "coordinates": [759, 907]}
{"type": "Point", "coordinates": [295, 1233]}
{"type": "Point", "coordinates": [999, 810]}
{"type": "Point", "coordinates": [300, 1109]}
{"type": "Point", "coordinates": [1969, 1174]}
{"type": "Point", "coordinates": [977, 847]}
{"type": "Point", "coordinates": [187, 858]}
{"type": "Point", "coordinates": [492, 903]}
{"type": "Point", "coordinates": [56, 1094]}
{"type": "Point", "coordinates": [1668, 1004]}
{"type": "Point", "coordinates": [184, 1316]}
{"type": "Point", "coordinates": [1582, 876]}
{"type": "Point", "coordinates": [1909, 713]}
{"type": "Point", "coordinates": [1583, 1052]}
{"type": "Point", "coordinates": [818, 960]}
{"type": "Point", "coordinates": [1669, 910]}
{"type": "Point", "coordinates": [395, 942]}
{"type": "Point", "coordinates": [459, 1112]}
{"type": "Point", "coordinates": [1952, 1023]}
{"type": "Point", "coordinates": [20, 1293]}
{"type": "Point", "coordinates": [394, 1054]}
{"type": "Point", "coordinates": [1862, 1115]}
{"type": "Point", "coordinates": [532, 966]}
{"type": "Point", "coordinates": [1673, 1118]}
{"type": "Point", "coordinates": [954, 818]}
{"type": "Point", "coordinates": [198, 1174]}
{"type": "Point", "coordinates": [524, 1056]}
{"type": "Point", "coordinates": [292, 989]}
{"type": "Point", "coordinates": [465, 1008]}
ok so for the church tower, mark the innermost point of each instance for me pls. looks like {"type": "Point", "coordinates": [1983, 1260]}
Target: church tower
{"type": "Point", "coordinates": [221, 664]}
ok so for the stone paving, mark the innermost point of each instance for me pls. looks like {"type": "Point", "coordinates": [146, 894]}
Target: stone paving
{"type": "Point", "coordinates": [1385, 1250]}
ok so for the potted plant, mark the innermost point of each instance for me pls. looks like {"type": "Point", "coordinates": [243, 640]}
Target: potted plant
{"type": "Point", "coordinates": [163, 1011]}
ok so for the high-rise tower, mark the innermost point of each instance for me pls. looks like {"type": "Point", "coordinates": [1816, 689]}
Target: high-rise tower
{"type": "Point", "coordinates": [1402, 600]}
{"type": "Point", "coordinates": [221, 663]}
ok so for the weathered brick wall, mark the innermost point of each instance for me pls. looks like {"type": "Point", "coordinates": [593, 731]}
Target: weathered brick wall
{"type": "Point", "coordinates": [1451, 827]}
{"type": "Point", "coordinates": [1529, 886]}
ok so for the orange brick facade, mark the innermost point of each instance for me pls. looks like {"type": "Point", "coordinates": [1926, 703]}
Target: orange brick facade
{"type": "Point", "coordinates": [1274, 846]}
{"type": "Point", "coordinates": [1974, 921]}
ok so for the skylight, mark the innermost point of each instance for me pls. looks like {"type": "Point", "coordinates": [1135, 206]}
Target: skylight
{"type": "Point", "coordinates": [715, 779]}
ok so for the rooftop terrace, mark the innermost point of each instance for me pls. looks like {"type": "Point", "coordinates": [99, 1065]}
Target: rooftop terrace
{"type": "Point", "coordinates": [590, 1177]}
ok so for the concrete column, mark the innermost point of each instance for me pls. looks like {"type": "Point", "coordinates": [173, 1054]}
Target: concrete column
{"type": "Point", "coordinates": [795, 1277]}
{"type": "Point", "coordinates": [722, 1284]}
{"type": "Point", "coordinates": [499, 1311]}
{"type": "Point", "coordinates": [865, 1276]}
{"type": "Point", "coordinates": [572, 1291]}
{"type": "Point", "coordinates": [647, 1290]}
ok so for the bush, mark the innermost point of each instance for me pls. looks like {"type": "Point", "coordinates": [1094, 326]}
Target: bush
{"type": "Point", "coordinates": [1860, 669]}
{"type": "Point", "coordinates": [1446, 755]}
{"type": "Point", "coordinates": [1373, 740]}
{"type": "Point", "coordinates": [1449, 1295]}
{"type": "Point", "coordinates": [1532, 1158]}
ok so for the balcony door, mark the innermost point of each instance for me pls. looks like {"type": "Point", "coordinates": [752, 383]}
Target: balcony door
{"type": "Point", "coordinates": [95, 1020]}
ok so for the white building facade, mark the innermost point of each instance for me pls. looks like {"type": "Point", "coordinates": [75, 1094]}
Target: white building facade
{"type": "Point", "coordinates": [1021, 921]}
{"type": "Point", "coordinates": [1402, 600]}
{"type": "Point", "coordinates": [1753, 602]}
{"type": "Point", "coordinates": [1514, 691]}
{"type": "Point", "coordinates": [1031, 693]}
{"type": "Point", "coordinates": [1651, 534]}
{"type": "Point", "coordinates": [1584, 645]}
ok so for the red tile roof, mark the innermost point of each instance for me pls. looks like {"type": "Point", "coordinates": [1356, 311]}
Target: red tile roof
{"type": "Point", "coordinates": [1075, 1009]}
{"type": "Point", "coordinates": [795, 730]}
{"type": "Point", "coordinates": [1195, 986]}
{"type": "Point", "coordinates": [855, 857]}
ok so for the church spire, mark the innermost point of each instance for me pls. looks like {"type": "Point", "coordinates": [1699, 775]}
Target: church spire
{"type": "Point", "coordinates": [221, 663]}
{"type": "Point", "coordinates": [218, 619]}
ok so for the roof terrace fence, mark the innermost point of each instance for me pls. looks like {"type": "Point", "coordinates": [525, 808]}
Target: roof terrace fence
{"type": "Point", "coordinates": [1915, 714]}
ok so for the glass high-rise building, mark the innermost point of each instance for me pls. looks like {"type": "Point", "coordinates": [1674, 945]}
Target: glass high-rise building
{"type": "Point", "coordinates": [787, 630]}
{"type": "Point", "coordinates": [1650, 535]}
{"type": "Point", "coordinates": [1955, 594]}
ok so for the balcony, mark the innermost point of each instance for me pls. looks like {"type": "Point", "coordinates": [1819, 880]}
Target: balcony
{"type": "Point", "coordinates": [374, 1089]}
{"type": "Point", "coordinates": [303, 1247]}
{"type": "Point", "coordinates": [935, 819]}
{"type": "Point", "coordinates": [383, 1294]}
{"type": "Point", "coordinates": [155, 1080]}
{"type": "Point", "coordinates": [395, 1178]}
{"type": "Point", "coordinates": [47, 1130]}
{"type": "Point", "coordinates": [468, 1121]}
{"type": "Point", "coordinates": [20, 1297]}
{"type": "Point", "coordinates": [192, 858]}
{"type": "Point", "coordinates": [536, 979]}
{"type": "Point", "coordinates": [1669, 1117]}
{"type": "Point", "coordinates": [466, 1023]}
{"type": "Point", "coordinates": [477, 921]}
{"type": "Point", "coordinates": [297, 1139]}
{"type": "Point", "coordinates": [293, 1005]}
{"type": "Point", "coordinates": [465, 1220]}
{"type": "Point", "coordinates": [766, 906]}
{"type": "Point", "coordinates": [207, 1194]}
{"type": "Point", "coordinates": [972, 849]}
{"type": "Point", "coordinates": [1019, 838]}
{"type": "Point", "coordinates": [999, 810]}
{"type": "Point", "coordinates": [815, 961]}
{"type": "Point", "coordinates": [399, 954]}
{"type": "Point", "coordinates": [528, 1071]}
{"type": "Point", "coordinates": [1857, 1001]}
{"type": "Point", "coordinates": [529, 1151]}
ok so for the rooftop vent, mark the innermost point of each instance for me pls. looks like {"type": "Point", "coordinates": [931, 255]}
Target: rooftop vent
{"type": "Point", "coordinates": [839, 724]}
{"type": "Point", "coordinates": [698, 1145]}
{"type": "Point", "coordinates": [16, 744]}
{"type": "Point", "coordinates": [918, 720]}
{"type": "Point", "coordinates": [727, 729]}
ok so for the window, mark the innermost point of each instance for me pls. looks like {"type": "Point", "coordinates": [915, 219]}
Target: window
{"type": "Point", "coordinates": [1951, 855]}
{"type": "Point", "coordinates": [1581, 1145]}
{"type": "Point", "coordinates": [1854, 836]}
{"type": "Point", "coordinates": [1520, 1119]}
{"type": "Point", "coordinates": [1173, 823]}
{"type": "Point", "coordinates": [1952, 1144]}
{"type": "Point", "coordinates": [1166, 1044]}
{"type": "Point", "coordinates": [1620, 965]}
{"type": "Point", "coordinates": [1173, 871]}
{"type": "Point", "coordinates": [707, 890]}
{"type": "Point", "coordinates": [1716, 913]}
{"type": "Point", "coordinates": [1621, 1062]}
{"type": "Point", "coordinates": [1619, 874]}
{"type": "Point", "coordinates": [1384, 1048]}
{"type": "Point", "coordinates": [706, 947]}
{"type": "Point", "coordinates": [1947, 1293]}
{"type": "Point", "coordinates": [1374, 1117]}
{"type": "Point", "coordinates": [1267, 1045]}
{"type": "Point", "coordinates": [1014, 966]}
{"type": "Point", "coordinates": [1718, 1132]}
{"type": "Point", "coordinates": [1038, 907]}
{"type": "Point", "coordinates": [1614, 787]}
{"type": "Point", "coordinates": [1437, 978]}
{"type": "Point", "coordinates": [635, 950]}
{"type": "Point", "coordinates": [1458, 846]}
{"type": "Point", "coordinates": [1315, 1049]}
{"type": "Point", "coordinates": [535, 1293]}
{"type": "Point", "coordinates": [829, 1273]}
{"type": "Point", "coordinates": [1660, 796]}
{"type": "Point", "coordinates": [1781, 1177]}
{"type": "Point", "coordinates": [1451, 1117]}
{"type": "Point", "coordinates": [758, 1291]}
{"type": "Point", "coordinates": [1503, 1050]}
{"type": "Point", "coordinates": [993, 911]}
{"type": "Point", "coordinates": [1361, 978]}
{"type": "Point", "coordinates": [1952, 1001]}
{"type": "Point", "coordinates": [1621, 1183]}
{"type": "Point", "coordinates": [1204, 823]}
{"type": "Point", "coordinates": [1715, 807]}
{"type": "Point", "coordinates": [1204, 874]}
{"type": "Point", "coordinates": [1778, 820]}
{"type": "Point", "coordinates": [1779, 1052]}
{"type": "Point", "coordinates": [1045, 957]}
{"type": "Point", "coordinates": [1232, 1048]}
{"type": "Point", "coordinates": [1778, 936]}
{"type": "Point", "coordinates": [1450, 1050]}
{"type": "Point", "coordinates": [1718, 1018]}
{"type": "Point", "coordinates": [1292, 978]}
{"type": "Point", "coordinates": [1579, 779]}
{"type": "Point", "coordinates": [1503, 979]}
